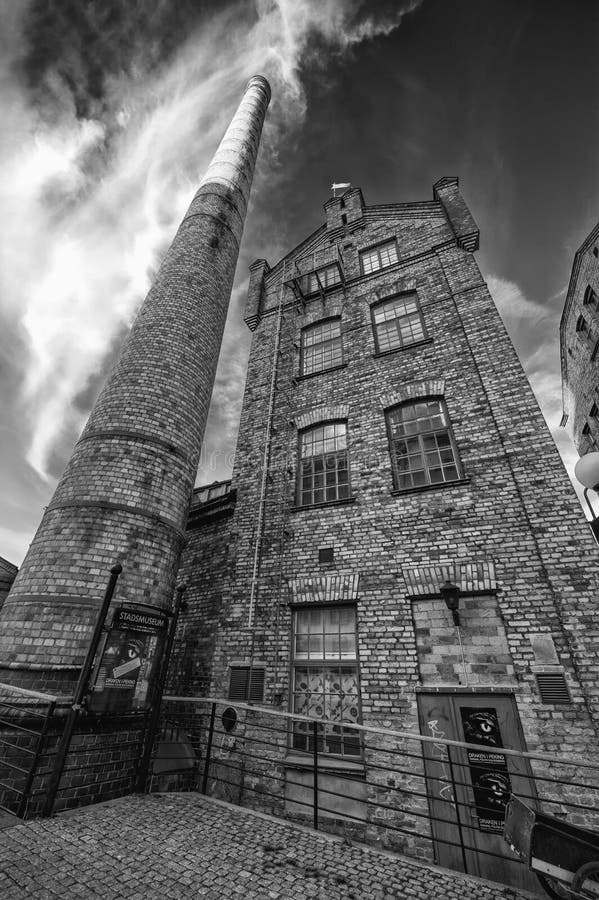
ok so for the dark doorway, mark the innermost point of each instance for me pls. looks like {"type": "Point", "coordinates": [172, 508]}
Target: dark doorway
{"type": "Point", "coordinates": [480, 780]}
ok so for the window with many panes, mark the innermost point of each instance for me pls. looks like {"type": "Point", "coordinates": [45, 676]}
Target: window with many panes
{"type": "Point", "coordinates": [397, 322]}
{"type": "Point", "coordinates": [378, 257]}
{"type": "Point", "coordinates": [321, 347]}
{"type": "Point", "coordinates": [422, 447]}
{"type": "Point", "coordinates": [323, 278]}
{"type": "Point", "coordinates": [323, 464]}
{"type": "Point", "coordinates": [325, 679]}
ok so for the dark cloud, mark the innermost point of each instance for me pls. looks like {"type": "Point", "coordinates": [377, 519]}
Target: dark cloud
{"type": "Point", "coordinates": [78, 45]}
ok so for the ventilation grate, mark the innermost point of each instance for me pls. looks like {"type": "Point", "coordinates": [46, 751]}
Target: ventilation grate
{"type": "Point", "coordinates": [238, 686]}
{"type": "Point", "coordinates": [553, 689]}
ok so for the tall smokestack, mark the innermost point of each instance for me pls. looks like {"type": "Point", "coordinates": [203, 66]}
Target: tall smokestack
{"type": "Point", "coordinates": [125, 492]}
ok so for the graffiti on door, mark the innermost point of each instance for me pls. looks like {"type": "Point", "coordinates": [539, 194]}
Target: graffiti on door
{"type": "Point", "coordinates": [440, 753]}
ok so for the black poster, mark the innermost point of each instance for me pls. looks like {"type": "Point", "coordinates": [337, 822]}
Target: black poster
{"type": "Point", "coordinates": [488, 768]}
{"type": "Point", "coordinates": [129, 661]}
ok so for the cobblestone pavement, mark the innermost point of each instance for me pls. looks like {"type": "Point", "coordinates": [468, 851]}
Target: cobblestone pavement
{"type": "Point", "coordinates": [189, 846]}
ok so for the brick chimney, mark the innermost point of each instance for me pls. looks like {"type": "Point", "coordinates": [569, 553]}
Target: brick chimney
{"type": "Point", "coordinates": [125, 492]}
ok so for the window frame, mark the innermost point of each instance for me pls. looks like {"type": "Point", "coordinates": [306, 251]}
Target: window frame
{"type": "Point", "coordinates": [303, 354]}
{"type": "Point", "coordinates": [457, 463]}
{"type": "Point", "coordinates": [315, 274]}
{"type": "Point", "coordinates": [325, 664]}
{"type": "Point", "coordinates": [409, 295]}
{"type": "Point", "coordinates": [590, 298]}
{"type": "Point", "coordinates": [582, 326]}
{"type": "Point", "coordinates": [299, 492]}
{"type": "Point", "coordinates": [376, 248]}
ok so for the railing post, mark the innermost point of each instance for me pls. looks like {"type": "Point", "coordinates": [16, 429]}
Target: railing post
{"type": "Point", "coordinates": [208, 749]}
{"type": "Point", "coordinates": [22, 808]}
{"type": "Point", "coordinates": [457, 807]}
{"type": "Point", "coordinates": [69, 725]}
{"type": "Point", "coordinates": [315, 772]}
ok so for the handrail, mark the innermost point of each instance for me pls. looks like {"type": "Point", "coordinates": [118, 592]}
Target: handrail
{"type": "Point", "coordinates": [27, 693]}
{"type": "Point", "coordinates": [389, 732]}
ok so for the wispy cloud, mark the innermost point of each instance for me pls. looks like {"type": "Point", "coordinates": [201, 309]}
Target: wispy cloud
{"type": "Point", "coordinates": [109, 120]}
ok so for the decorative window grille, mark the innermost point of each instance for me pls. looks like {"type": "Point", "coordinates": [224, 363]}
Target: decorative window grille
{"type": "Point", "coordinates": [422, 446]}
{"type": "Point", "coordinates": [322, 347]}
{"type": "Point", "coordinates": [325, 679]}
{"type": "Point", "coordinates": [379, 257]}
{"type": "Point", "coordinates": [246, 684]}
{"type": "Point", "coordinates": [324, 465]}
{"type": "Point", "coordinates": [323, 278]}
{"type": "Point", "coordinates": [397, 323]}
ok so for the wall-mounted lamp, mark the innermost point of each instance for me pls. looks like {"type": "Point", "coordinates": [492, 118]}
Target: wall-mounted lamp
{"type": "Point", "coordinates": [451, 595]}
{"type": "Point", "coordinates": [586, 471]}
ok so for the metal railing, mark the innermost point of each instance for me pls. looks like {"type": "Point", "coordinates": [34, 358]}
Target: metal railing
{"type": "Point", "coordinates": [25, 717]}
{"type": "Point", "coordinates": [409, 792]}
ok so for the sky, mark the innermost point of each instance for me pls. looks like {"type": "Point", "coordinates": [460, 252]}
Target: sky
{"type": "Point", "coordinates": [112, 109]}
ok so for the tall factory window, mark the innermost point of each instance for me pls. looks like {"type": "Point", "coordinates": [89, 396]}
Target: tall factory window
{"type": "Point", "coordinates": [323, 278]}
{"type": "Point", "coordinates": [422, 447]}
{"type": "Point", "coordinates": [321, 347]}
{"type": "Point", "coordinates": [397, 322]}
{"type": "Point", "coordinates": [581, 325]}
{"type": "Point", "coordinates": [323, 464]}
{"type": "Point", "coordinates": [378, 257]}
{"type": "Point", "coordinates": [325, 679]}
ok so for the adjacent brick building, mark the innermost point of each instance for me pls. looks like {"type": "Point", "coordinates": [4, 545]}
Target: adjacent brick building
{"type": "Point", "coordinates": [390, 443]}
{"type": "Point", "coordinates": [8, 573]}
{"type": "Point", "coordinates": [579, 346]}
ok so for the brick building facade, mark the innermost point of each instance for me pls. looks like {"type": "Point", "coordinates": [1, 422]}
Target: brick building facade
{"type": "Point", "coordinates": [579, 347]}
{"type": "Point", "coordinates": [389, 443]}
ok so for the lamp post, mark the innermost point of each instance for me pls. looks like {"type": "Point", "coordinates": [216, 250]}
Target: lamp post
{"type": "Point", "coordinates": [586, 471]}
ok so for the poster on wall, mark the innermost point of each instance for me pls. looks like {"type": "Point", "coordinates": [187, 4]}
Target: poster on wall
{"type": "Point", "coordinates": [488, 768]}
{"type": "Point", "coordinates": [129, 661]}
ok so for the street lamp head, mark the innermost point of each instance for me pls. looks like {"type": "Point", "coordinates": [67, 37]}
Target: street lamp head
{"type": "Point", "coordinates": [586, 471]}
{"type": "Point", "coordinates": [450, 594]}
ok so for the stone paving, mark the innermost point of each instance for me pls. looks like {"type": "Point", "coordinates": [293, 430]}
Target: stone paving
{"type": "Point", "coordinates": [188, 846]}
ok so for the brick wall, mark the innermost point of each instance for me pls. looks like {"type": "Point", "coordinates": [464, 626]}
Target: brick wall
{"type": "Point", "coordinates": [512, 512]}
{"type": "Point", "coordinates": [579, 347]}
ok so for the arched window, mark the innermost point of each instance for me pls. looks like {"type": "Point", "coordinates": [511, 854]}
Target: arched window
{"type": "Point", "coordinates": [323, 475]}
{"type": "Point", "coordinates": [581, 325]}
{"type": "Point", "coordinates": [321, 347]}
{"type": "Point", "coordinates": [423, 449]}
{"type": "Point", "coordinates": [397, 322]}
{"type": "Point", "coordinates": [590, 297]}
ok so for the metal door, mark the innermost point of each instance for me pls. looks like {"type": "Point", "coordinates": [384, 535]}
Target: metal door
{"type": "Point", "coordinates": [468, 789]}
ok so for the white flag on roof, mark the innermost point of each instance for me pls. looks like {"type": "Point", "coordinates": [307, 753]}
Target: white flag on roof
{"type": "Point", "coordinates": [338, 186]}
